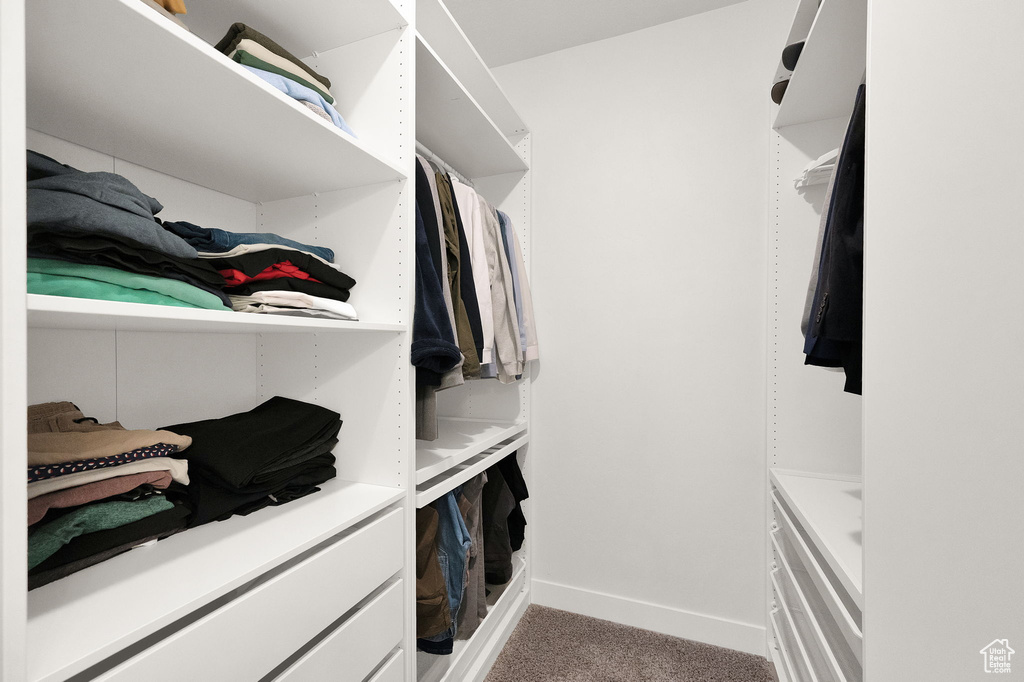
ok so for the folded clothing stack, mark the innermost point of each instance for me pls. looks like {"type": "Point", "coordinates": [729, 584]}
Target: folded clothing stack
{"type": "Point", "coordinates": [275, 453]}
{"type": "Point", "coordinates": [96, 490]}
{"type": "Point", "coordinates": [266, 273]}
{"type": "Point", "coordinates": [95, 235]}
{"type": "Point", "coordinates": [282, 70]}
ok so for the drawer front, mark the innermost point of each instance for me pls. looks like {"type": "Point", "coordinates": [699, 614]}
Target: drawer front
{"type": "Point", "coordinates": [808, 573]}
{"type": "Point", "coordinates": [248, 637]}
{"type": "Point", "coordinates": [799, 656]}
{"type": "Point", "coordinates": [357, 646]}
{"type": "Point", "coordinates": [787, 648]}
{"type": "Point", "coordinates": [393, 670]}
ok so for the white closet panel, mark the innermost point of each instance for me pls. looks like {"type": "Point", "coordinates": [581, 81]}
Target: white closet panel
{"type": "Point", "coordinates": [74, 155]}
{"type": "Point", "coordinates": [356, 376]}
{"type": "Point", "coordinates": [74, 365]}
{"type": "Point", "coordinates": [371, 88]}
{"type": "Point", "coordinates": [296, 24]}
{"type": "Point", "coordinates": [165, 379]}
{"type": "Point", "coordinates": [364, 226]}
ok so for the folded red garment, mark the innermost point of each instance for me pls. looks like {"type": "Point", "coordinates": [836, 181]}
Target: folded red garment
{"type": "Point", "coordinates": [234, 278]}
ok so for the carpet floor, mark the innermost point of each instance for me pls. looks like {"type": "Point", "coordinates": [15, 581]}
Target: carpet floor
{"type": "Point", "coordinates": [549, 645]}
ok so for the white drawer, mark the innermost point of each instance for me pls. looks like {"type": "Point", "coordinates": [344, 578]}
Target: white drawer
{"type": "Point", "coordinates": [832, 613]}
{"type": "Point", "coordinates": [393, 670]}
{"type": "Point", "coordinates": [789, 637]}
{"type": "Point", "coordinates": [251, 635]}
{"type": "Point", "coordinates": [788, 649]}
{"type": "Point", "coordinates": [357, 646]}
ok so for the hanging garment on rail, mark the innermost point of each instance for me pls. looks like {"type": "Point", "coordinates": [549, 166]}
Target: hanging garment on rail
{"type": "Point", "coordinates": [503, 521]}
{"type": "Point", "coordinates": [834, 338]}
{"type": "Point", "coordinates": [467, 286]}
{"type": "Point", "coordinates": [453, 547]}
{"type": "Point", "coordinates": [433, 351]}
{"type": "Point", "coordinates": [432, 610]}
{"type": "Point", "coordinates": [463, 329]}
{"type": "Point", "coordinates": [523, 296]}
{"type": "Point", "coordinates": [508, 348]}
{"type": "Point", "coordinates": [276, 452]}
{"type": "Point", "coordinates": [469, 210]}
{"type": "Point", "coordinates": [513, 475]}
{"type": "Point", "coordinates": [474, 600]}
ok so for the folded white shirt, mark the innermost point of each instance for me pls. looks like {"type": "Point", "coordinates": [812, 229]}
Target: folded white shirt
{"type": "Point", "coordinates": [292, 302]}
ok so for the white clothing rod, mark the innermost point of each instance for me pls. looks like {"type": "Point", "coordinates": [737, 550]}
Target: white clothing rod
{"type": "Point", "coordinates": [442, 163]}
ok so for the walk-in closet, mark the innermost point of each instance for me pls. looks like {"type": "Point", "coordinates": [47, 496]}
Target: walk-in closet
{"type": "Point", "coordinates": [350, 333]}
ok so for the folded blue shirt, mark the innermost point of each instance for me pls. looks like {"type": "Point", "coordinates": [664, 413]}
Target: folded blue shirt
{"type": "Point", "coordinates": [301, 93]}
{"type": "Point", "coordinates": [216, 240]}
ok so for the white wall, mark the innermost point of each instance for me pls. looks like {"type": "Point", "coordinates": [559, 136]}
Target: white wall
{"type": "Point", "coordinates": [650, 200]}
{"type": "Point", "coordinates": [943, 333]}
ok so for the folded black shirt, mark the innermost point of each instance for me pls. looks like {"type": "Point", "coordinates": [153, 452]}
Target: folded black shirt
{"type": "Point", "coordinates": [123, 253]}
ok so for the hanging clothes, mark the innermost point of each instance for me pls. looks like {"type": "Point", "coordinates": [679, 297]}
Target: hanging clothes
{"type": "Point", "coordinates": [834, 337]}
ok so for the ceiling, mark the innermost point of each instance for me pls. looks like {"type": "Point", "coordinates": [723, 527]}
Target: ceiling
{"type": "Point", "coordinates": [506, 31]}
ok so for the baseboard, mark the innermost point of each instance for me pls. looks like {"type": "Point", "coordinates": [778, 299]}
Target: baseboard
{"type": "Point", "coordinates": [669, 621]}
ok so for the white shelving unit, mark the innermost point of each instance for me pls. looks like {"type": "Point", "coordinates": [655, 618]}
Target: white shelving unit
{"type": "Point", "coordinates": [218, 558]}
{"type": "Point", "coordinates": [118, 46]}
{"type": "Point", "coordinates": [831, 65]}
{"type": "Point", "coordinates": [463, 117]}
{"type": "Point", "coordinates": [114, 86]}
{"type": "Point", "coordinates": [830, 509]}
{"type": "Point", "coordinates": [451, 123]}
{"type": "Point", "coordinates": [60, 312]}
{"type": "Point", "coordinates": [459, 440]}
{"type": "Point", "coordinates": [439, 29]}
{"type": "Point", "coordinates": [815, 494]}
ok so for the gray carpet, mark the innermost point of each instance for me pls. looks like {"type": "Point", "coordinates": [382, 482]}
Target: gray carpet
{"type": "Point", "coordinates": [550, 645]}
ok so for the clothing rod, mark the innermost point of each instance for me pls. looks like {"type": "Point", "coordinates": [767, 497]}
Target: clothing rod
{"type": "Point", "coordinates": [421, 148]}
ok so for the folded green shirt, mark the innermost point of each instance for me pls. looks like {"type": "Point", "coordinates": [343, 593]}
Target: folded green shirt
{"type": "Point", "coordinates": [243, 57]}
{"type": "Point", "coordinates": [78, 280]}
{"type": "Point", "coordinates": [101, 516]}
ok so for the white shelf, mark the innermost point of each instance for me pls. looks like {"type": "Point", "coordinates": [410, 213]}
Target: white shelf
{"type": "Point", "coordinates": [831, 66]}
{"type": "Point", "coordinates": [803, 19]}
{"type": "Point", "coordinates": [63, 312]}
{"type": "Point", "coordinates": [440, 30]}
{"type": "Point", "coordinates": [296, 25]}
{"type": "Point", "coordinates": [457, 441]}
{"type": "Point", "coordinates": [830, 510]}
{"type": "Point", "coordinates": [500, 602]}
{"type": "Point", "coordinates": [451, 123]}
{"type": "Point", "coordinates": [117, 77]}
{"type": "Point", "coordinates": [467, 459]}
{"type": "Point", "coordinates": [94, 613]}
